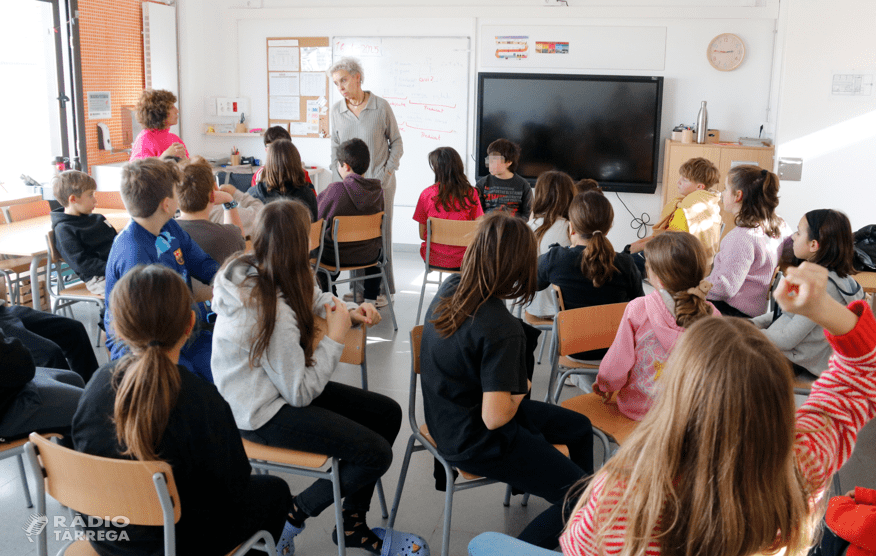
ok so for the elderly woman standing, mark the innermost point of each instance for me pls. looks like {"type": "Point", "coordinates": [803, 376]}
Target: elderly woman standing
{"type": "Point", "coordinates": [366, 116]}
{"type": "Point", "coordinates": [156, 112]}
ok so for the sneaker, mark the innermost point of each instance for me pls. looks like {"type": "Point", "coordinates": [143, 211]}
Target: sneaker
{"type": "Point", "coordinates": [286, 544]}
{"type": "Point", "coordinates": [381, 301]}
{"type": "Point", "coordinates": [350, 297]}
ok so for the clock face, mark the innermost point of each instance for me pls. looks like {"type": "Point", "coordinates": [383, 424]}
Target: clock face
{"type": "Point", "coordinates": [726, 52]}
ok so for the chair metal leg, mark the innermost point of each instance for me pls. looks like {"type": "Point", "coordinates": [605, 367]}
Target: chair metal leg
{"type": "Point", "coordinates": [422, 296]}
{"type": "Point", "coordinates": [388, 298]}
{"type": "Point", "coordinates": [543, 342]}
{"type": "Point", "coordinates": [27, 498]}
{"type": "Point", "coordinates": [339, 517]}
{"type": "Point", "coordinates": [525, 501]}
{"type": "Point", "coordinates": [448, 509]}
{"type": "Point", "coordinates": [363, 368]}
{"type": "Point", "coordinates": [606, 447]}
{"type": "Point", "coordinates": [382, 499]}
{"type": "Point", "coordinates": [401, 482]}
{"type": "Point", "coordinates": [507, 501]}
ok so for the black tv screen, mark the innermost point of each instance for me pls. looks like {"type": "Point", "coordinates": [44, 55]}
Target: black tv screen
{"type": "Point", "coordinates": [604, 127]}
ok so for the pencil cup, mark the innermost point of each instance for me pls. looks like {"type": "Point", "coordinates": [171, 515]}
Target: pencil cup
{"type": "Point", "coordinates": [234, 160]}
{"type": "Point", "coordinates": [240, 128]}
{"type": "Point", "coordinates": [687, 136]}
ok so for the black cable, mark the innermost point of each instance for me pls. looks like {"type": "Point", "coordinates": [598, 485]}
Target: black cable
{"type": "Point", "coordinates": [639, 224]}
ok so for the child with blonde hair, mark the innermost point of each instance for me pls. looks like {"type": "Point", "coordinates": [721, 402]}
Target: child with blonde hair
{"type": "Point", "coordinates": [722, 464]}
{"type": "Point", "coordinates": [677, 265]}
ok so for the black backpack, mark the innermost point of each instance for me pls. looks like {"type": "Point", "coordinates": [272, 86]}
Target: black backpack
{"type": "Point", "coordinates": [865, 249]}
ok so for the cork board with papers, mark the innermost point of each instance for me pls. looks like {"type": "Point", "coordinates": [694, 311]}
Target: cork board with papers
{"type": "Point", "coordinates": [298, 86]}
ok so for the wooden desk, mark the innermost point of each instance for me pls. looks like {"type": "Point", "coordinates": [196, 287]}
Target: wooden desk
{"type": "Point", "coordinates": [28, 238]}
{"type": "Point", "coordinates": [868, 282]}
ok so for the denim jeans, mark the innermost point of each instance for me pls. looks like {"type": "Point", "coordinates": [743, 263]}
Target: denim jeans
{"type": "Point", "coordinates": [352, 424]}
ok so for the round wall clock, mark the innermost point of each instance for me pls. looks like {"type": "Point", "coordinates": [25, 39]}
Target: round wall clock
{"type": "Point", "coordinates": [726, 52]}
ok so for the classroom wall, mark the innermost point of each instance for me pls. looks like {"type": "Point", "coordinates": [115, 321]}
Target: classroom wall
{"type": "Point", "coordinates": [210, 43]}
{"type": "Point", "coordinates": [835, 136]}
{"type": "Point", "coordinates": [112, 60]}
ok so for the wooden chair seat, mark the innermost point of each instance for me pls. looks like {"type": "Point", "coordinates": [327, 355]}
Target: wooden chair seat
{"type": "Point", "coordinates": [604, 416]}
{"type": "Point", "coordinates": [283, 455]}
{"type": "Point", "coordinates": [532, 320]}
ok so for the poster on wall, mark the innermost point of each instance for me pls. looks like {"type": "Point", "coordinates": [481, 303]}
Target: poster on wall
{"type": "Point", "coordinates": [512, 48]}
{"type": "Point", "coordinates": [551, 47]}
{"type": "Point", "coordinates": [851, 85]}
{"type": "Point", "coordinates": [100, 105]}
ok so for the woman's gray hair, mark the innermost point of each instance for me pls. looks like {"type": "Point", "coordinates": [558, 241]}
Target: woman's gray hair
{"type": "Point", "coordinates": [349, 65]}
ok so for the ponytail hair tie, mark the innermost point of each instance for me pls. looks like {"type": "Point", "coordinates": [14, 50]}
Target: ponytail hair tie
{"type": "Point", "coordinates": [701, 290]}
{"type": "Point", "coordinates": [596, 232]}
{"type": "Point", "coordinates": [763, 173]}
{"type": "Point", "coordinates": [154, 343]}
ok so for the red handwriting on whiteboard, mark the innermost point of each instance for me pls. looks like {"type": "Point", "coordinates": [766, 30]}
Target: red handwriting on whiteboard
{"type": "Point", "coordinates": [434, 109]}
{"type": "Point", "coordinates": [427, 79]}
{"type": "Point", "coordinates": [433, 104]}
{"type": "Point", "coordinates": [425, 129]}
{"type": "Point", "coordinates": [430, 136]}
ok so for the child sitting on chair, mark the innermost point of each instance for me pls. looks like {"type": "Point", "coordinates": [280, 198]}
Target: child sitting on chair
{"type": "Point", "coordinates": [355, 196]}
{"type": "Point", "coordinates": [83, 239]}
{"type": "Point", "coordinates": [503, 189]}
{"type": "Point", "coordinates": [153, 236]}
{"type": "Point", "coordinates": [677, 265]}
{"type": "Point", "coordinates": [697, 209]}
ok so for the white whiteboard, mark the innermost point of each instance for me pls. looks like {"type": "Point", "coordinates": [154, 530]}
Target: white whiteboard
{"type": "Point", "coordinates": [426, 80]}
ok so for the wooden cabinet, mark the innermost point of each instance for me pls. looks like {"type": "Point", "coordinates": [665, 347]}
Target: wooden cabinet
{"type": "Point", "coordinates": [723, 156]}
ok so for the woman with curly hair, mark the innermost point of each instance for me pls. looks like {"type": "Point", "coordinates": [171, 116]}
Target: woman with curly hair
{"type": "Point", "coordinates": [156, 112]}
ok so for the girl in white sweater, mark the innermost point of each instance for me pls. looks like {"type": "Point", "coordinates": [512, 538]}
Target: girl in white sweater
{"type": "Point", "coordinates": [275, 376]}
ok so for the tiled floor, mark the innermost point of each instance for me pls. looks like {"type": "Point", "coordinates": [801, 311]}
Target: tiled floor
{"type": "Point", "coordinates": [422, 507]}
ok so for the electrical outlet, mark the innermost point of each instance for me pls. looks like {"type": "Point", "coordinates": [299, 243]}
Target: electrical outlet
{"type": "Point", "coordinates": [229, 106]}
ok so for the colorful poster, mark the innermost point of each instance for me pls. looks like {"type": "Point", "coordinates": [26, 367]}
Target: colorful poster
{"type": "Point", "coordinates": [551, 47]}
{"type": "Point", "coordinates": [512, 48]}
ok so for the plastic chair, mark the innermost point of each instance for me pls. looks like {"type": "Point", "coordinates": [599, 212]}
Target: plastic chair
{"type": "Point", "coordinates": [62, 296]}
{"type": "Point", "coordinates": [109, 199]}
{"type": "Point", "coordinates": [142, 491]}
{"type": "Point", "coordinates": [23, 211]}
{"type": "Point", "coordinates": [15, 448]}
{"type": "Point", "coordinates": [578, 330]}
{"type": "Point", "coordinates": [605, 417]}
{"type": "Point", "coordinates": [359, 228]}
{"type": "Point", "coordinates": [421, 440]}
{"type": "Point", "coordinates": [455, 233]}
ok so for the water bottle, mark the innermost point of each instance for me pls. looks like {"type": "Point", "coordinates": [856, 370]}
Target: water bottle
{"type": "Point", "coordinates": [702, 123]}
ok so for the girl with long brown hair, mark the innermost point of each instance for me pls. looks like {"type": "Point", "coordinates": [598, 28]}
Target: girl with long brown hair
{"type": "Point", "coordinates": [284, 177]}
{"type": "Point", "coordinates": [146, 406]}
{"type": "Point", "coordinates": [554, 192]}
{"type": "Point", "coordinates": [722, 464]}
{"type": "Point", "coordinates": [475, 362]}
{"type": "Point", "coordinates": [677, 265]}
{"type": "Point", "coordinates": [274, 373]}
{"type": "Point", "coordinates": [452, 198]}
{"type": "Point", "coordinates": [589, 272]}
{"type": "Point", "coordinates": [823, 237]}
{"type": "Point", "coordinates": [749, 252]}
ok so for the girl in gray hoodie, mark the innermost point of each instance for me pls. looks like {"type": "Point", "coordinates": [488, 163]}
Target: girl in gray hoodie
{"type": "Point", "coordinates": [823, 237]}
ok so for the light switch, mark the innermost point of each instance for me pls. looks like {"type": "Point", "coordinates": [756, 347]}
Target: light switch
{"type": "Point", "coordinates": [790, 169]}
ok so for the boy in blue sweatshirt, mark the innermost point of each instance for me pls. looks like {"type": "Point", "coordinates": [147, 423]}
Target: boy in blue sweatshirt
{"type": "Point", "coordinates": [154, 237]}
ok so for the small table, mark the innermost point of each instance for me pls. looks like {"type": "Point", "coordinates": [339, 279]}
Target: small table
{"type": "Point", "coordinates": [27, 238]}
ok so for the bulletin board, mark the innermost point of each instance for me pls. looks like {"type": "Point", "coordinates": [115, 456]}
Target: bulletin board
{"type": "Point", "coordinates": [298, 86]}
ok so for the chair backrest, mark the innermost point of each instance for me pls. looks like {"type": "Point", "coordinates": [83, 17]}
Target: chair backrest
{"type": "Point", "coordinates": [316, 234]}
{"type": "Point", "coordinates": [52, 249]}
{"type": "Point", "coordinates": [23, 211]}
{"type": "Point", "coordinates": [354, 342]}
{"type": "Point", "coordinates": [458, 233]}
{"type": "Point", "coordinates": [416, 340]}
{"type": "Point", "coordinates": [101, 486]}
{"type": "Point", "coordinates": [357, 228]}
{"type": "Point", "coordinates": [22, 200]}
{"type": "Point", "coordinates": [109, 199]}
{"type": "Point", "coordinates": [588, 328]}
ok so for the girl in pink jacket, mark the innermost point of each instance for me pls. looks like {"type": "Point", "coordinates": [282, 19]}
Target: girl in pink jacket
{"type": "Point", "coordinates": [677, 265]}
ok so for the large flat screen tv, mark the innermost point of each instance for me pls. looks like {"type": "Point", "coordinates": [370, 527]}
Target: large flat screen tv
{"type": "Point", "coordinates": [604, 127]}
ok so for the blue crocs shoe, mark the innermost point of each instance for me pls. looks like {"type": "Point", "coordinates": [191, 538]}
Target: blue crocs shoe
{"type": "Point", "coordinates": [397, 543]}
{"type": "Point", "coordinates": [286, 544]}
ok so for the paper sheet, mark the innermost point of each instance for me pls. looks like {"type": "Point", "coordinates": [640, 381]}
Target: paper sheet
{"type": "Point", "coordinates": [316, 58]}
{"type": "Point", "coordinates": [299, 128]}
{"type": "Point", "coordinates": [283, 83]}
{"type": "Point", "coordinates": [313, 112]}
{"type": "Point", "coordinates": [312, 84]}
{"type": "Point", "coordinates": [283, 58]}
{"type": "Point", "coordinates": [283, 42]}
{"type": "Point", "coordinates": [285, 108]}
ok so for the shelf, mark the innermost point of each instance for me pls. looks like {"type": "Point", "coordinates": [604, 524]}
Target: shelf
{"type": "Point", "coordinates": [233, 134]}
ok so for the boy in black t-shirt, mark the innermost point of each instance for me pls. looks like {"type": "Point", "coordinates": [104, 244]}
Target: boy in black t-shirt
{"type": "Point", "coordinates": [503, 188]}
